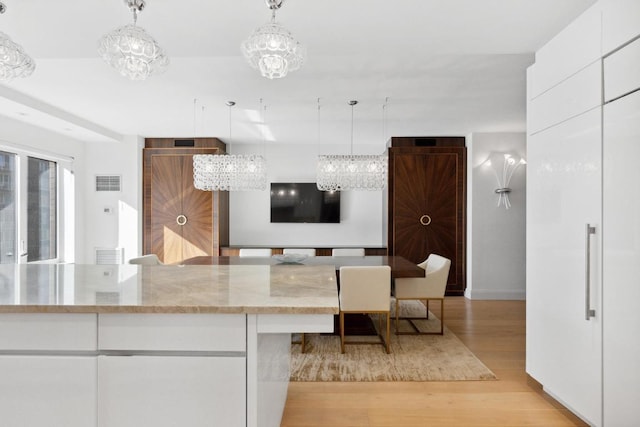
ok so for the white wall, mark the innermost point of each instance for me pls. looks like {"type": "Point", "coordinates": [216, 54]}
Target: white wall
{"type": "Point", "coordinates": [113, 219]}
{"type": "Point", "coordinates": [495, 235]}
{"type": "Point", "coordinates": [249, 211]}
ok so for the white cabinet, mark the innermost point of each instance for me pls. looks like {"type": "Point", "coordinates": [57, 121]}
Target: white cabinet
{"type": "Point", "coordinates": [47, 370]}
{"type": "Point", "coordinates": [172, 369]}
{"type": "Point", "coordinates": [570, 98]}
{"type": "Point", "coordinates": [173, 331]}
{"type": "Point", "coordinates": [563, 196]}
{"type": "Point", "coordinates": [168, 391]}
{"type": "Point", "coordinates": [574, 48]}
{"type": "Point", "coordinates": [620, 22]}
{"type": "Point", "coordinates": [621, 263]}
{"type": "Point", "coordinates": [622, 71]}
{"type": "Point", "coordinates": [584, 171]}
{"type": "Point", "coordinates": [48, 332]}
{"type": "Point", "coordinates": [38, 391]}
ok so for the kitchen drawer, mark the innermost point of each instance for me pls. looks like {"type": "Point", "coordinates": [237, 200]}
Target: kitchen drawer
{"type": "Point", "coordinates": [48, 331]}
{"type": "Point", "coordinates": [172, 332]}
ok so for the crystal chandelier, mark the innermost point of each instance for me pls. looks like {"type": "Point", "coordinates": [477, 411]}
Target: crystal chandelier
{"type": "Point", "coordinates": [351, 172]}
{"type": "Point", "coordinates": [131, 50]}
{"type": "Point", "coordinates": [14, 62]}
{"type": "Point", "coordinates": [229, 172]}
{"type": "Point", "coordinates": [271, 49]}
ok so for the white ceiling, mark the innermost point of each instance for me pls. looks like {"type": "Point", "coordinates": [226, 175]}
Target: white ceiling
{"type": "Point", "coordinates": [445, 67]}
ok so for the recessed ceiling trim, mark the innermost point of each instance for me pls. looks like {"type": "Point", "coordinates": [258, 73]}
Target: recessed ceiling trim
{"type": "Point", "coordinates": [57, 113]}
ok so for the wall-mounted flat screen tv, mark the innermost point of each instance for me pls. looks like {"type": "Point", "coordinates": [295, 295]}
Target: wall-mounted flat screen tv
{"type": "Point", "coordinates": [303, 202]}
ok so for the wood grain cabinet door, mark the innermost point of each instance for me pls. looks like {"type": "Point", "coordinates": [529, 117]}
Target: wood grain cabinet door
{"type": "Point", "coordinates": [179, 219]}
{"type": "Point", "coordinates": [426, 207]}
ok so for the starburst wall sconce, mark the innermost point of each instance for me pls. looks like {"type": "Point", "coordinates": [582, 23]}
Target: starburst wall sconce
{"type": "Point", "coordinates": [503, 165]}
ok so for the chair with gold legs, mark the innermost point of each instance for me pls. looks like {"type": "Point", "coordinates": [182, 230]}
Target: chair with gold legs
{"type": "Point", "coordinates": [430, 287]}
{"type": "Point", "coordinates": [365, 290]}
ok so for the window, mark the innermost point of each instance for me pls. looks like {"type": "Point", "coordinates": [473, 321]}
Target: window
{"type": "Point", "coordinates": [41, 214]}
{"type": "Point", "coordinates": [8, 221]}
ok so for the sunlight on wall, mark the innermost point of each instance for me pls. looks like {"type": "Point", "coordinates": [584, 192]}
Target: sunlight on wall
{"type": "Point", "coordinates": [128, 229]}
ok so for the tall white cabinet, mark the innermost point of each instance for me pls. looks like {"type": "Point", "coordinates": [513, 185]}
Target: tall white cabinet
{"type": "Point", "coordinates": [583, 207]}
{"type": "Point", "coordinates": [621, 242]}
{"type": "Point", "coordinates": [565, 196]}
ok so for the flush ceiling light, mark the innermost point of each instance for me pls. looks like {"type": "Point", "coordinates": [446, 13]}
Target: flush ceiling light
{"type": "Point", "coordinates": [14, 62]}
{"type": "Point", "coordinates": [351, 172]}
{"type": "Point", "coordinates": [131, 50]}
{"type": "Point", "coordinates": [272, 49]}
{"type": "Point", "coordinates": [229, 172]}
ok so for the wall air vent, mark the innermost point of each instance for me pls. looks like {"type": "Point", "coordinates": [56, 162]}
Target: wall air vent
{"type": "Point", "coordinates": [109, 255]}
{"type": "Point", "coordinates": [184, 143]}
{"type": "Point", "coordinates": [108, 182]}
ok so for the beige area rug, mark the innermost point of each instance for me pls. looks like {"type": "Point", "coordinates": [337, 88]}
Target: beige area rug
{"type": "Point", "coordinates": [412, 358]}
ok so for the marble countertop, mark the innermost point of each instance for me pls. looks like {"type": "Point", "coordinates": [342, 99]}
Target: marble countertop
{"type": "Point", "coordinates": [251, 289]}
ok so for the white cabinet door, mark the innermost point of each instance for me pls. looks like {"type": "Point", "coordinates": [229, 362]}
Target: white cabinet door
{"type": "Point", "coordinates": [620, 22]}
{"type": "Point", "coordinates": [169, 391]}
{"type": "Point", "coordinates": [563, 195]}
{"type": "Point", "coordinates": [621, 268]}
{"type": "Point", "coordinates": [38, 391]}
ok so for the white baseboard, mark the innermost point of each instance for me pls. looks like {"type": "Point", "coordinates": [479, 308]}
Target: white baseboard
{"type": "Point", "coordinates": [490, 294]}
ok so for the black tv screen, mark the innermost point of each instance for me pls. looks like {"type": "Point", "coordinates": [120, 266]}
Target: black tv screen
{"type": "Point", "coordinates": [303, 202]}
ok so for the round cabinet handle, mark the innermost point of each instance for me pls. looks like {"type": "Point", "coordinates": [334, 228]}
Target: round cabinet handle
{"type": "Point", "coordinates": [425, 220]}
{"type": "Point", "coordinates": [181, 219]}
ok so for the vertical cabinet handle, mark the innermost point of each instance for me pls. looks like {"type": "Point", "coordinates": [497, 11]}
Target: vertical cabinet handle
{"type": "Point", "coordinates": [425, 220]}
{"type": "Point", "coordinates": [589, 312]}
{"type": "Point", "coordinates": [181, 219]}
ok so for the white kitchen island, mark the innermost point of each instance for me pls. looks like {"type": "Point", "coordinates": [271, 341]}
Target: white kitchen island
{"type": "Point", "coordinates": [123, 345]}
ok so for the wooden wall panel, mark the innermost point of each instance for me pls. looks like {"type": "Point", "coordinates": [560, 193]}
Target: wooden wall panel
{"type": "Point", "coordinates": [168, 191]}
{"type": "Point", "coordinates": [427, 206]}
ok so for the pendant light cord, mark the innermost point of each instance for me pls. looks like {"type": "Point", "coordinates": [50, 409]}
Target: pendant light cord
{"type": "Point", "coordinates": [352, 103]}
{"type": "Point", "coordinates": [195, 101]}
{"type": "Point", "coordinates": [264, 128]}
{"type": "Point", "coordinates": [384, 120]}
{"type": "Point", "coordinates": [318, 128]}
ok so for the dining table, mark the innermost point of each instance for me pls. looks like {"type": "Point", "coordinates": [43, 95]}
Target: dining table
{"type": "Point", "coordinates": [356, 324]}
{"type": "Point", "coordinates": [400, 266]}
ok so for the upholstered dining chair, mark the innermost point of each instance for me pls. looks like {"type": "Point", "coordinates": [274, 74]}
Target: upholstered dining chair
{"type": "Point", "coordinates": [150, 259]}
{"type": "Point", "coordinates": [347, 252]}
{"type": "Point", "coordinates": [257, 252]}
{"type": "Point", "coordinates": [365, 290]}
{"type": "Point", "coordinates": [299, 251]}
{"type": "Point", "coordinates": [430, 287]}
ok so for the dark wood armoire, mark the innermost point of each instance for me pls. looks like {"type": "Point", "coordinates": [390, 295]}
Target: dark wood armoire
{"type": "Point", "coordinates": [427, 202]}
{"type": "Point", "coordinates": [180, 221]}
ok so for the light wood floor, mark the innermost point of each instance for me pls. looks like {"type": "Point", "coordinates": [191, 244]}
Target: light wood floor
{"type": "Point", "coordinates": [495, 332]}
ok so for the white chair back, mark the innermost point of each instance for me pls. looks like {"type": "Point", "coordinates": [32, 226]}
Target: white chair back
{"type": "Point", "coordinates": [150, 259]}
{"type": "Point", "coordinates": [437, 272]}
{"type": "Point", "coordinates": [347, 252]}
{"type": "Point", "coordinates": [365, 288]}
{"type": "Point", "coordinates": [257, 252]}
{"type": "Point", "coordinates": [299, 251]}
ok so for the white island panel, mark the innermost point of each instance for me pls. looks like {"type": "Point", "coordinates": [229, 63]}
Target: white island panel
{"type": "Point", "coordinates": [164, 391]}
{"type": "Point", "coordinates": [40, 391]}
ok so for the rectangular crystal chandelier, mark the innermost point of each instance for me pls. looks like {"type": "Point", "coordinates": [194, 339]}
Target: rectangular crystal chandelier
{"type": "Point", "coordinates": [229, 172]}
{"type": "Point", "coordinates": [352, 172]}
